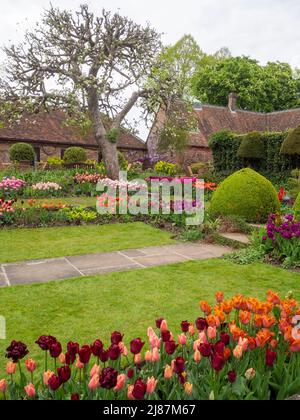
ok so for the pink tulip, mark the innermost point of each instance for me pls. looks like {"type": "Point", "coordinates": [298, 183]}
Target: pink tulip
{"type": "Point", "coordinates": [155, 355]}
{"type": "Point", "coordinates": [30, 365]}
{"type": "Point", "coordinates": [238, 352]}
{"type": "Point", "coordinates": [243, 342]}
{"type": "Point", "coordinates": [11, 368]}
{"type": "Point", "coordinates": [3, 385]}
{"type": "Point", "coordinates": [163, 326]}
{"type": "Point", "coordinates": [129, 392]}
{"type": "Point", "coordinates": [155, 341]}
{"type": "Point", "coordinates": [202, 337]}
{"type": "Point", "coordinates": [196, 344]}
{"type": "Point", "coordinates": [30, 390]}
{"type": "Point", "coordinates": [191, 330]}
{"type": "Point", "coordinates": [94, 383]}
{"type": "Point", "coordinates": [46, 376]}
{"type": "Point", "coordinates": [96, 370]}
{"type": "Point", "coordinates": [211, 332]}
{"type": "Point", "coordinates": [123, 349]}
{"type": "Point", "coordinates": [137, 359]}
{"type": "Point", "coordinates": [182, 339]}
{"type": "Point", "coordinates": [121, 379]}
{"type": "Point", "coordinates": [148, 356]}
{"type": "Point", "coordinates": [150, 332]}
{"type": "Point", "coordinates": [79, 365]}
{"type": "Point", "coordinates": [151, 385]}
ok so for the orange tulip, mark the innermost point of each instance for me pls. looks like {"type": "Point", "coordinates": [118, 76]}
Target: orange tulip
{"type": "Point", "coordinates": [148, 356]}
{"type": "Point", "coordinates": [227, 353]}
{"type": "Point", "coordinates": [197, 356]}
{"type": "Point", "coordinates": [191, 330]}
{"type": "Point", "coordinates": [168, 373]}
{"type": "Point", "coordinates": [30, 390]}
{"type": "Point", "coordinates": [96, 370]}
{"type": "Point", "coordinates": [62, 359]}
{"type": "Point", "coordinates": [295, 346]}
{"type": "Point", "coordinates": [137, 359]}
{"type": "Point", "coordinates": [205, 307]}
{"type": "Point", "coordinates": [245, 317]}
{"type": "Point", "coordinates": [121, 380]}
{"type": "Point", "coordinates": [3, 385]}
{"type": "Point", "coordinates": [94, 383]}
{"type": "Point", "coordinates": [163, 326]}
{"type": "Point", "coordinates": [129, 392]}
{"type": "Point", "coordinates": [263, 337]}
{"type": "Point", "coordinates": [46, 376]}
{"type": "Point", "coordinates": [219, 297]}
{"type": "Point", "coordinates": [238, 352]}
{"type": "Point", "coordinates": [188, 388]}
{"type": "Point", "coordinates": [30, 365]}
{"type": "Point", "coordinates": [11, 368]}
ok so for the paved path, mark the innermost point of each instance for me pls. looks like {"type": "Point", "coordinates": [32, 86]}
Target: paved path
{"type": "Point", "coordinates": [40, 271]}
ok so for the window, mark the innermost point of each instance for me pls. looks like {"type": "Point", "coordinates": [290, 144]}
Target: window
{"type": "Point", "coordinates": [62, 152]}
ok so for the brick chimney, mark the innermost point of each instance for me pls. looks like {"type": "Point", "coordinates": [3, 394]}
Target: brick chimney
{"type": "Point", "coordinates": [232, 98]}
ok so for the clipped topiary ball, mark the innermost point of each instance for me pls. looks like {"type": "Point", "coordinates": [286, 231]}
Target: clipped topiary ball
{"type": "Point", "coordinates": [246, 194]}
{"type": "Point", "coordinates": [291, 145]}
{"type": "Point", "coordinates": [297, 208]}
{"type": "Point", "coordinates": [75, 155]}
{"type": "Point", "coordinates": [252, 146]}
{"type": "Point", "coordinates": [20, 152]}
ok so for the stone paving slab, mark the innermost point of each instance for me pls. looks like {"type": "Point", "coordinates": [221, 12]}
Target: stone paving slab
{"type": "Point", "coordinates": [238, 237]}
{"type": "Point", "coordinates": [39, 271]}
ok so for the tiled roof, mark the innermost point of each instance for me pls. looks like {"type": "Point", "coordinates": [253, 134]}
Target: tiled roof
{"type": "Point", "coordinates": [51, 128]}
{"type": "Point", "coordinates": [214, 118]}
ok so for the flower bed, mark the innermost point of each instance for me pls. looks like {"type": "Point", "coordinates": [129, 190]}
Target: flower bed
{"type": "Point", "coordinates": [242, 348]}
{"type": "Point", "coordinates": [86, 177]}
{"type": "Point", "coordinates": [10, 187]}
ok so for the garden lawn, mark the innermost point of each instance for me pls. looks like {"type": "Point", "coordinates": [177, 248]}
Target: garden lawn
{"type": "Point", "coordinates": [74, 201]}
{"type": "Point", "coordinates": [84, 309]}
{"type": "Point", "coordinates": [29, 244]}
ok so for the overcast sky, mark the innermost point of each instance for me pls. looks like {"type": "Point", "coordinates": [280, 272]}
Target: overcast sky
{"type": "Point", "coordinates": [264, 29]}
{"type": "Point", "coordinates": [267, 30]}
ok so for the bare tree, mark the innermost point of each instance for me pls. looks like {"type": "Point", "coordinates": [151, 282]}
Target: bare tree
{"type": "Point", "coordinates": [100, 66]}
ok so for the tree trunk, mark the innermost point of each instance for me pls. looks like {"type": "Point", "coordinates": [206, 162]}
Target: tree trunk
{"type": "Point", "coordinates": [107, 148]}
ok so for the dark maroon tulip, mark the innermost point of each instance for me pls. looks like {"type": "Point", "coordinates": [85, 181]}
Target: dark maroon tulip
{"type": "Point", "coordinates": [116, 337]}
{"type": "Point", "coordinates": [179, 365]}
{"type": "Point", "coordinates": [158, 322]}
{"type": "Point", "coordinates": [104, 356]}
{"type": "Point", "coordinates": [55, 349]}
{"type": "Point", "coordinates": [185, 326]}
{"type": "Point", "coordinates": [165, 335]}
{"type": "Point", "coordinates": [231, 376]}
{"type": "Point", "coordinates": [182, 378]}
{"type": "Point", "coordinates": [219, 348]}
{"type": "Point", "coordinates": [201, 324]}
{"type": "Point", "coordinates": [205, 349]}
{"type": "Point", "coordinates": [45, 341]}
{"type": "Point", "coordinates": [139, 389]}
{"type": "Point", "coordinates": [70, 358]}
{"type": "Point", "coordinates": [16, 351]}
{"type": "Point", "coordinates": [130, 373]}
{"type": "Point", "coordinates": [97, 348]}
{"type": "Point", "coordinates": [54, 382]}
{"type": "Point", "coordinates": [75, 397]}
{"type": "Point", "coordinates": [108, 378]}
{"type": "Point", "coordinates": [170, 347]}
{"type": "Point", "coordinates": [225, 338]}
{"type": "Point", "coordinates": [217, 362]}
{"type": "Point", "coordinates": [114, 352]}
{"type": "Point", "coordinates": [64, 374]}
{"type": "Point", "coordinates": [271, 356]}
{"type": "Point", "coordinates": [85, 354]}
{"type": "Point", "coordinates": [73, 348]}
{"type": "Point", "coordinates": [136, 346]}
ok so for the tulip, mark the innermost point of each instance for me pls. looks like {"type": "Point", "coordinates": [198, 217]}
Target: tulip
{"type": "Point", "coordinates": [238, 352]}
{"type": "Point", "coordinates": [121, 379]}
{"type": "Point", "coordinates": [3, 385]}
{"type": "Point", "coordinates": [227, 353]}
{"type": "Point", "coordinates": [136, 346]}
{"type": "Point", "coordinates": [219, 297]}
{"type": "Point", "coordinates": [155, 341]}
{"type": "Point", "coordinates": [75, 397]}
{"type": "Point", "coordinates": [163, 326]}
{"type": "Point", "coordinates": [271, 356]}
{"type": "Point", "coordinates": [54, 382]}
{"type": "Point", "coordinates": [46, 376]}
{"type": "Point", "coordinates": [197, 356]}
{"type": "Point", "coordinates": [94, 382]}
{"type": "Point", "coordinates": [139, 389]}
{"type": "Point", "coordinates": [123, 348]}
{"type": "Point", "coordinates": [243, 342]}
{"type": "Point", "coordinates": [11, 368]}
{"type": "Point", "coordinates": [85, 354]}
{"type": "Point", "coordinates": [188, 388]}
{"type": "Point", "coordinates": [191, 330]}
{"type": "Point", "coordinates": [217, 362]}
{"type": "Point", "coordinates": [203, 338]}
{"type": "Point", "coordinates": [30, 390]}
{"type": "Point", "coordinates": [137, 359]}
{"type": "Point", "coordinates": [64, 374]}
{"type": "Point", "coordinates": [182, 339]}
{"type": "Point", "coordinates": [155, 355]}
{"type": "Point", "coordinates": [250, 374]}
{"type": "Point", "coordinates": [62, 359]}
{"type": "Point", "coordinates": [185, 326]}
{"type": "Point", "coordinates": [79, 365]}
{"type": "Point", "coordinates": [148, 356]}
{"type": "Point", "coordinates": [96, 370]}
{"type": "Point", "coordinates": [150, 332]}
{"type": "Point", "coordinates": [151, 385]}
{"type": "Point", "coordinates": [201, 324]}
{"type": "Point", "coordinates": [55, 349]}
{"type": "Point", "coordinates": [168, 373]}
{"type": "Point", "coordinates": [30, 365]}
{"type": "Point", "coordinates": [108, 378]}
{"type": "Point", "coordinates": [231, 376]}
{"type": "Point", "coordinates": [211, 333]}
{"type": "Point", "coordinates": [129, 392]}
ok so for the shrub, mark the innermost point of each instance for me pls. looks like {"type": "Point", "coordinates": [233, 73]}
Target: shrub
{"type": "Point", "coordinates": [55, 161]}
{"type": "Point", "coordinates": [165, 168]}
{"type": "Point", "coordinates": [122, 162]}
{"type": "Point", "coordinates": [297, 208]}
{"type": "Point", "coordinates": [252, 146]}
{"type": "Point", "coordinates": [19, 152]}
{"type": "Point", "coordinates": [291, 145]}
{"type": "Point", "coordinates": [245, 194]}
{"type": "Point", "coordinates": [75, 155]}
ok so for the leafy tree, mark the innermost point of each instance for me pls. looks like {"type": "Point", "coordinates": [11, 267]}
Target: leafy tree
{"type": "Point", "coordinates": [95, 67]}
{"type": "Point", "coordinates": [260, 88]}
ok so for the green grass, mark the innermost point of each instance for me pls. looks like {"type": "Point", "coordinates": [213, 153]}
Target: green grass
{"type": "Point", "coordinates": [74, 201]}
{"type": "Point", "coordinates": [25, 244]}
{"type": "Point", "coordinates": [87, 308]}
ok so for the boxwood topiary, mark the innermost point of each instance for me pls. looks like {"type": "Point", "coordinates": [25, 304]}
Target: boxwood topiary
{"type": "Point", "coordinates": [246, 194]}
{"type": "Point", "coordinates": [297, 208]}
{"type": "Point", "coordinates": [252, 146]}
{"type": "Point", "coordinates": [291, 145]}
{"type": "Point", "coordinates": [75, 155]}
{"type": "Point", "coordinates": [19, 152]}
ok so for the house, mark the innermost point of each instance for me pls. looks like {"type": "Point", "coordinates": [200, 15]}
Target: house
{"type": "Point", "coordinates": [50, 137]}
{"type": "Point", "coordinates": [213, 118]}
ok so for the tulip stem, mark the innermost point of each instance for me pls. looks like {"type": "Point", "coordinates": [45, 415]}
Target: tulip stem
{"type": "Point", "coordinates": [46, 361]}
